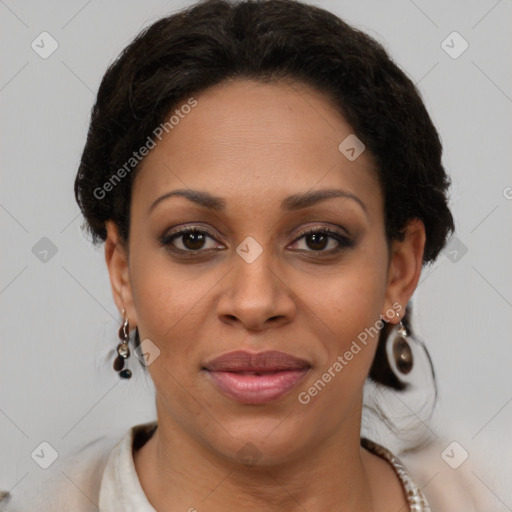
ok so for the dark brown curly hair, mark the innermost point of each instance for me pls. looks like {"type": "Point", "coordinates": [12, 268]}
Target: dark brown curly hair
{"type": "Point", "coordinates": [269, 40]}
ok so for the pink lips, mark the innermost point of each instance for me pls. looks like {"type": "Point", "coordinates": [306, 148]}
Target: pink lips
{"type": "Point", "coordinates": [256, 378]}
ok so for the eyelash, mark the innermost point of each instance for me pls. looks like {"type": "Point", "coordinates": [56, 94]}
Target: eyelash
{"type": "Point", "coordinates": [343, 241]}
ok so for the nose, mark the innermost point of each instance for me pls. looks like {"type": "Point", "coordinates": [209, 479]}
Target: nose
{"type": "Point", "coordinates": [255, 295]}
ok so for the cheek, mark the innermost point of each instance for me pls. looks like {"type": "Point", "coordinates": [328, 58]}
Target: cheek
{"type": "Point", "coordinates": [165, 314]}
{"type": "Point", "coordinates": [168, 313]}
{"type": "Point", "coordinates": [352, 298]}
{"type": "Point", "coordinates": [350, 307]}
{"type": "Point", "coordinates": [163, 301]}
{"type": "Point", "coordinates": [347, 350]}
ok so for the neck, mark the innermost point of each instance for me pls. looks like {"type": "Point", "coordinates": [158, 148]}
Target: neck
{"type": "Point", "coordinates": [177, 472]}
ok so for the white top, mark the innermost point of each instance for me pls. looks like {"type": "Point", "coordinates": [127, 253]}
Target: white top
{"type": "Point", "coordinates": [102, 476]}
{"type": "Point", "coordinates": [120, 485]}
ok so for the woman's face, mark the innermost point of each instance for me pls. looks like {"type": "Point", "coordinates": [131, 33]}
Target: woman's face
{"type": "Point", "coordinates": [250, 280]}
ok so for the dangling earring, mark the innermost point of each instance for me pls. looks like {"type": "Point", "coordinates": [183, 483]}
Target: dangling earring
{"type": "Point", "coordinates": [123, 351]}
{"type": "Point", "coordinates": [401, 349]}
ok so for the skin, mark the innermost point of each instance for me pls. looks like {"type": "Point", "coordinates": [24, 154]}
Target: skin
{"type": "Point", "coordinates": [254, 144]}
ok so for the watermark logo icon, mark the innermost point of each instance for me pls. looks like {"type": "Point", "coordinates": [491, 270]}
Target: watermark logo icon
{"type": "Point", "coordinates": [44, 45]}
{"type": "Point", "coordinates": [454, 250]}
{"type": "Point", "coordinates": [147, 352]}
{"type": "Point", "coordinates": [454, 455]}
{"type": "Point", "coordinates": [249, 249]}
{"type": "Point", "coordinates": [44, 455]}
{"type": "Point", "coordinates": [454, 45]}
{"type": "Point", "coordinates": [249, 454]}
{"type": "Point", "coordinates": [351, 147]}
{"type": "Point", "coordinates": [44, 250]}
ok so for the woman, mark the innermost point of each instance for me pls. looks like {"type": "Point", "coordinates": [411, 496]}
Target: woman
{"type": "Point", "coordinates": [268, 186]}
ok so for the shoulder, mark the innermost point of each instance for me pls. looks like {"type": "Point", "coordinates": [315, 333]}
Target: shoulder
{"type": "Point", "coordinates": [445, 476]}
{"type": "Point", "coordinates": [72, 482]}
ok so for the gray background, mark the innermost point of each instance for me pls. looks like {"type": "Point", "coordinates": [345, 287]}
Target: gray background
{"type": "Point", "coordinates": [59, 322]}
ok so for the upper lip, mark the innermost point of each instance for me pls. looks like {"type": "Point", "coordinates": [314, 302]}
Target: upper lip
{"type": "Point", "coordinates": [243, 361]}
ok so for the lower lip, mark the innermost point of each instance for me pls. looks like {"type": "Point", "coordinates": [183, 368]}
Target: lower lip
{"type": "Point", "coordinates": [257, 389]}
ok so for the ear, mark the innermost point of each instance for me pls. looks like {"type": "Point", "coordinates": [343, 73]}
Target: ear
{"type": "Point", "coordinates": [406, 261]}
{"type": "Point", "coordinates": [116, 257]}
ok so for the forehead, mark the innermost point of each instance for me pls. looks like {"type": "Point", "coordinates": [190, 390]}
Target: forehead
{"type": "Point", "coordinates": [255, 143]}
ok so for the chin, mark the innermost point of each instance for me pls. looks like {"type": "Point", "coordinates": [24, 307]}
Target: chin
{"type": "Point", "coordinates": [262, 441]}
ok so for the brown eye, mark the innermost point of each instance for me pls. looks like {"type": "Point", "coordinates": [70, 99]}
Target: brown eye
{"type": "Point", "coordinates": [189, 240]}
{"type": "Point", "coordinates": [317, 240]}
{"type": "Point", "coordinates": [193, 240]}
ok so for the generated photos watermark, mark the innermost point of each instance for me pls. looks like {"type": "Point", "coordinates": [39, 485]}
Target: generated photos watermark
{"type": "Point", "coordinates": [304, 397]}
{"type": "Point", "coordinates": [137, 156]}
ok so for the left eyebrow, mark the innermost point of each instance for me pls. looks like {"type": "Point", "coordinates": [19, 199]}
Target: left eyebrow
{"type": "Point", "coordinates": [293, 202]}
{"type": "Point", "coordinates": [298, 201]}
